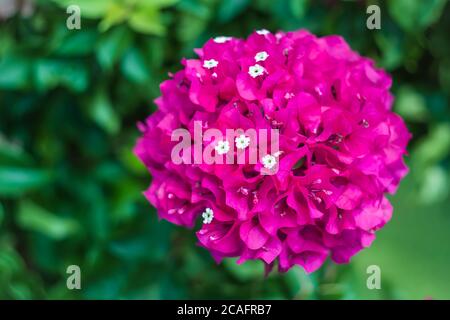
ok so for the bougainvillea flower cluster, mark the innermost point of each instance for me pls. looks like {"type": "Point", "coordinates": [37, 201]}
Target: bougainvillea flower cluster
{"type": "Point", "coordinates": [341, 149]}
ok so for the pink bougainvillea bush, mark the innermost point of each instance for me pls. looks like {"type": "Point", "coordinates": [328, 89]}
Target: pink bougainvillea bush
{"type": "Point", "coordinates": [340, 149]}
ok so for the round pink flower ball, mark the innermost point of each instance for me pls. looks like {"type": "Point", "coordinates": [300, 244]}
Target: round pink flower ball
{"type": "Point", "coordinates": [340, 149]}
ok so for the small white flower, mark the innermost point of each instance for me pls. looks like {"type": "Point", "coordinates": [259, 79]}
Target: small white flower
{"type": "Point", "coordinates": [269, 161]}
{"type": "Point", "coordinates": [288, 95]}
{"type": "Point", "coordinates": [208, 215]}
{"type": "Point", "coordinates": [211, 63]}
{"type": "Point", "coordinates": [256, 71]}
{"type": "Point", "coordinates": [261, 56]}
{"type": "Point", "coordinates": [222, 147]}
{"type": "Point", "coordinates": [222, 39]}
{"type": "Point", "coordinates": [242, 141]}
{"type": "Point", "coordinates": [262, 32]}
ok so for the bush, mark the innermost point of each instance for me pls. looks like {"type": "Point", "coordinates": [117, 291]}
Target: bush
{"type": "Point", "coordinates": [71, 189]}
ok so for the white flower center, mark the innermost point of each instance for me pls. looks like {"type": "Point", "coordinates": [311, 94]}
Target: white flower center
{"type": "Point", "coordinates": [288, 95]}
{"type": "Point", "coordinates": [269, 161]}
{"type": "Point", "coordinates": [222, 147]}
{"type": "Point", "coordinates": [261, 56]}
{"type": "Point", "coordinates": [256, 71]}
{"type": "Point", "coordinates": [262, 32]}
{"type": "Point", "coordinates": [222, 39]}
{"type": "Point", "coordinates": [242, 141]}
{"type": "Point", "coordinates": [208, 215]}
{"type": "Point", "coordinates": [211, 63]}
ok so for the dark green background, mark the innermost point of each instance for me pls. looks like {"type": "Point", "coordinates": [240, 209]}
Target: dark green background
{"type": "Point", "coordinates": [71, 189]}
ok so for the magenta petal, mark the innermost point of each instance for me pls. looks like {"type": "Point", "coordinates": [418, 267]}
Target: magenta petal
{"type": "Point", "coordinates": [247, 87]}
{"type": "Point", "coordinates": [253, 235]}
{"type": "Point", "coordinates": [374, 216]}
{"type": "Point", "coordinates": [270, 251]}
{"type": "Point", "coordinates": [350, 198]}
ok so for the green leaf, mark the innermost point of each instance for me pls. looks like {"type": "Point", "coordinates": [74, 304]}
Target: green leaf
{"type": "Point", "coordinates": [390, 44]}
{"type": "Point", "coordinates": [155, 51]}
{"type": "Point", "coordinates": [112, 45]}
{"type": "Point", "coordinates": [47, 74]}
{"type": "Point", "coordinates": [134, 66]}
{"type": "Point", "coordinates": [32, 217]}
{"type": "Point", "coordinates": [79, 43]}
{"type": "Point", "coordinates": [156, 3]}
{"type": "Point", "coordinates": [14, 73]}
{"type": "Point", "coordinates": [434, 147]}
{"type": "Point", "coordinates": [246, 271]}
{"type": "Point", "coordinates": [10, 261]}
{"type": "Point", "coordinates": [300, 285]}
{"type": "Point", "coordinates": [229, 9]}
{"type": "Point", "coordinates": [131, 249]}
{"type": "Point", "coordinates": [2, 214]}
{"type": "Point", "coordinates": [196, 8]}
{"type": "Point", "coordinates": [298, 7]}
{"type": "Point", "coordinates": [103, 113]}
{"type": "Point", "coordinates": [15, 181]}
{"type": "Point", "coordinates": [147, 20]}
{"type": "Point", "coordinates": [20, 291]}
{"type": "Point", "coordinates": [117, 13]}
{"type": "Point", "coordinates": [130, 161]}
{"type": "Point", "coordinates": [52, 73]}
{"type": "Point", "coordinates": [89, 8]}
{"type": "Point", "coordinates": [190, 27]}
{"type": "Point", "coordinates": [413, 16]}
{"type": "Point", "coordinates": [435, 185]}
{"type": "Point", "coordinates": [12, 153]}
{"type": "Point", "coordinates": [7, 40]}
{"type": "Point", "coordinates": [411, 105]}
{"type": "Point", "coordinates": [444, 75]}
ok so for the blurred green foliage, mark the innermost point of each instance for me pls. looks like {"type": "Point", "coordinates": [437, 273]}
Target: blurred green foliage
{"type": "Point", "coordinates": [71, 189]}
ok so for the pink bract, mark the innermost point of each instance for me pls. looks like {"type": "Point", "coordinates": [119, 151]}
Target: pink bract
{"type": "Point", "coordinates": [341, 144]}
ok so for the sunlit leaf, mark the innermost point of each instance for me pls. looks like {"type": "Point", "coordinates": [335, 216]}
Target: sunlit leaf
{"type": "Point", "coordinates": [15, 181]}
{"type": "Point", "coordinates": [434, 147]}
{"type": "Point", "coordinates": [147, 20]}
{"type": "Point", "coordinates": [116, 13]}
{"type": "Point", "coordinates": [32, 217]}
{"type": "Point", "coordinates": [435, 185]}
{"type": "Point", "coordinates": [411, 105]}
{"type": "Point", "coordinates": [89, 9]}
